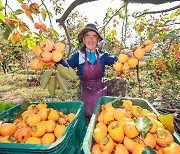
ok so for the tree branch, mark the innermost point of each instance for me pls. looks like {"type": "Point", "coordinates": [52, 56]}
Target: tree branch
{"type": "Point", "coordinates": [154, 12]}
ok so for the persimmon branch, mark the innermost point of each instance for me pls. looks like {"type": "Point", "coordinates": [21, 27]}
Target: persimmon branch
{"type": "Point", "coordinates": [47, 13]}
{"type": "Point", "coordinates": [103, 27]}
{"type": "Point", "coordinates": [135, 15]}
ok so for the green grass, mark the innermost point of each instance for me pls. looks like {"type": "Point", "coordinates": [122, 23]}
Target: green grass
{"type": "Point", "coordinates": [6, 105]}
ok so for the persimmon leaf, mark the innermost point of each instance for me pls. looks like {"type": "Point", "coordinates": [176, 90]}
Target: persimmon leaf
{"type": "Point", "coordinates": [167, 121]}
{"type": "Point", "coordinates": [148, 150]}
{"type": "Point", "coordinates": [143, 124]}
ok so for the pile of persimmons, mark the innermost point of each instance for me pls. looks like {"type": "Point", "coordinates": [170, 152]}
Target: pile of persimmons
{"type": "Point", "coordinates": [46, 54]}
{"type": "Point", "coordinates": [38, 125]}
{"type": "Point", "coordinates": [117, 131]}
{"type": "Point", "coordinates": [127, 60]}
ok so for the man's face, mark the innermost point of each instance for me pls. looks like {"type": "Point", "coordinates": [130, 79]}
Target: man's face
{"type": "Point", "coordinates": [90, 40]}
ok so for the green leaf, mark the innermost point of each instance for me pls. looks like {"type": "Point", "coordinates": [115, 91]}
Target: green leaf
{"type": "Point", "coordinates": [43, 14]}
{"type": "Point", "coordinates": [148, 150]}
{"type": "Point", "coordinates": [167, 121]}
{"type": "Point", "coordinates": [172, 15]}
{"type": "Point", "coordinates": [25, 104]}
{"type": "Point", "coordinates": [1, 7]}
{"type": "Point", "coordinates": [20, 1]}
{"type": "Point", "coordinates": [2, 18]}
{"type": "Point", "coordinates": [165, 53]}
{"type": "Point", "coordinates": [45, 78]}
{"type": "Point", "coordinates": [19, 11]}
{"type": "Point", "coordinates": [143, 124]}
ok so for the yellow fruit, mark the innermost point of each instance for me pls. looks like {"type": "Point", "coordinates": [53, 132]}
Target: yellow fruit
{"type": "Point", "coordinates": [122, 58]}
{"type": "Point", "coordinates": [148, 45]}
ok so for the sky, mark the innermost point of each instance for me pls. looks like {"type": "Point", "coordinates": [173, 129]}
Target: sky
{"type": "Point", "coordinates": [95, 11]}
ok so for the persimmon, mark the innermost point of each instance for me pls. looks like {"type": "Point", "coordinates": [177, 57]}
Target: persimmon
{"type": "Point", "coordinates": [132, 62]}
{"type": "Point", "coordinates": [125, 66]}
{"type": "Point", "coordinates": [37, 25]}
{"type": "Point", "coordinates": [100, 117]}
{"type": "Point", "coordinates": [129, 143]}
{"type": "Point", "coordinates": [173, 148]}
{"type": "Point", "coordinates": [59, 46]}
{"type": "Point", "coordinates": [50, 125]}
{"type": "Point", "coordinates": [148, 45]}
{"type": "Point", "coordinates": [160, 125]}
{"type": "Point", "coordinates": [46, 56]}
{"type": "Point", "coordinates": [7, 129]}
{"type": "Point", "coordinates": [48, 138]}
{"type": "Point", "coordinates": [70, 117]}
{"type": "Point", "coordinates": [121, 149]}
{"type": "Point", "coordinates": [135, 47]}
{"type": "Point", "coordinates": [4, 139]}
{"type": "Point", "coordinates": [22, 28]}
{"type": "Point", "coordinates": [33, 140]}
{"type": "Point", "coordinates": [46, 45]}
{"type": "Point", "coordinates": [150, 140]}
{"type": "Point", "coordinates": [33, 120]}
{"type": "Point", "coordinates": [37, 51]}
{"type": "Point", "coordinates": [38, 130]}
{"type": "Point", "coordinates": [17, 120]}
{"type": "Point", "coordinates": [56, 55]}
{"type": "Point", "coordinates": [117, 66]}
{"type": "Point", "coordinates": [96, 149]}
{"type": "Point", "coordinates": [43, 27]}
{"type": "Point", "coordinates": [152, 115]}
{"type": "Point", "coordinates": [108, 117]}
{"type": "Point", "coordinates": [116, 132]}
{"type": "Point", "coordinates": [138, 149]}
{"type": "Point", "coordinates": [28, 13]}
{"type": "Point", "coordinates": [26, 113]}
{"type": "Point", "coordinates": [59, 129]}
{"type": "Point", "coordinates": [110, 109]}
{"type": "Point", "coordinates": [41, 105]}
{"type": "Point", "coordinates": [163, 137]}
{"type": "Point", "coordinates": [136, 110]}
{"type": "Point", "coordinates": [98, 134]}
{"type": "Point", "coordinates": [23, 134]}
{"type": "Point", "coordinates": [35, 64]}
{"type": "Point", "coordinates": [101, 125]}
{"type": "Point", "coordinates": [49, 64]}
{"type": "Point", "coordinates": [124, 120]}
{"type": "Point", "coordinates": [145, 111]}
{"type": "Point", "coordinates": [106, 152]}
{"type": "Point", "coordinates": [130, 130]}
{"type": "Point", "coordinates": [119, 113]}
{"type": "Point", "coordinates": [139, 53]}
{"type": "Point", "coordinates": [24, 6]}
{"type": "Point", "coordinates": [154, 126]}
{"type": "Point", "coordinates": [35, 5]}
{"type": "Point", "coordinates": [106, 105]}
{"type": "Point", "coordinates": [43, 113]}
{"type": "Point", "coordinates": [33, 107]}
{"type": "Point", "coordinates": [127, 104]}
{"type": "Point", "coordinates": [62, 120]}
{"type": "Point", "coordinates": [53, 115]}
{"type": "Point", "coordinates": [122, 58]}
{"type": "Point", "coordinates": [16, 36]}
{"type": "Point", "coordinates": [8, 20]}
{"type": "Point", "coordinates": [107, 144]}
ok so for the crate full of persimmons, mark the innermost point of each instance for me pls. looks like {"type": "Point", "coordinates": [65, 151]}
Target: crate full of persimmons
{"type": "Point", "coordinates": [129, 126]}
{"type": "Point", "coordinates": [43, 127]}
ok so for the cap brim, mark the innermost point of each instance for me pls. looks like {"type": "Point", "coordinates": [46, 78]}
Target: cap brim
{"type": "Point", "coordinates": [85, 30]}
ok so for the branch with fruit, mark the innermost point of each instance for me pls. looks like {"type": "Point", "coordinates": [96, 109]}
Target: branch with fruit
{"type": "Point", "coordinates": [127, 60]}
{"type": "Point", "coordinates": [48, 54]}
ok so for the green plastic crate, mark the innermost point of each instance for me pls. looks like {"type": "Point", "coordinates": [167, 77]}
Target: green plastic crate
{"type": "Point", "coordinates": [88, 140]}
{"type": "Point", "coordinates": [71, 140]}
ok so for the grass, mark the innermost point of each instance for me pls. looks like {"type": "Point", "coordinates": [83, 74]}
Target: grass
{"type": "Point", "coordinates": [4, 105]}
